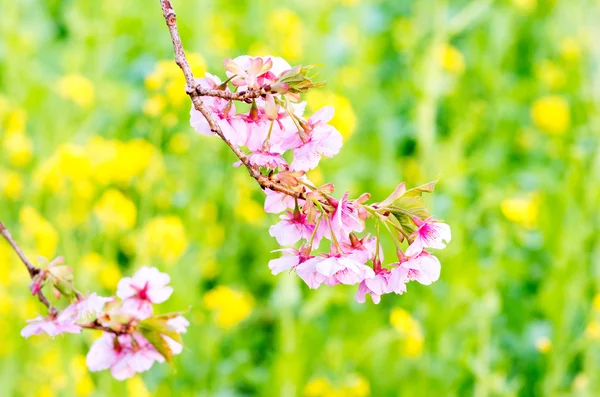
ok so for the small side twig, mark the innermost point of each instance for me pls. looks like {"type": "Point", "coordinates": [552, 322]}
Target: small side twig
{"type": "Point", "coordinates": [31, 268]}
{"type": "Point", "coordinates": [243, 96]}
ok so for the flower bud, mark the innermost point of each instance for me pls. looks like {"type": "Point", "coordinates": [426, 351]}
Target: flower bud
{"type": "Point", "coordinates": [363, 198]}
{"type": "Point", "coordinates": [280, 88]}
{"type": "Point", "coordinates": [290, 178]}
{"type": "Point", "coordinates": [36, 283]}
{"type": "Point", "coordinates": [328, 188]}
{"type": "Point", "coordinates": [270, 107]}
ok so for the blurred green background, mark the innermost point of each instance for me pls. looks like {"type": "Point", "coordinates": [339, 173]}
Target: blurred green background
{"type": "Point", "coordinates": [501, 99]}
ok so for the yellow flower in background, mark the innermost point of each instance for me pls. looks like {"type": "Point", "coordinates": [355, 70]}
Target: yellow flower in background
{"type": "Point", "coordinates": [230, 307]}
{"type": "Point", "coordinates": [356, 386]}
{"type": "Point", "coordinates": [73, 162]}
{"type": "Point", "coordinates": [11, 185]}
{"type": "Point", "coordinates": [592, 330]}
{"type": "Point", "coordinates": [223, 38]}
{"type": "Point", "coordinates": [35, 227]}
{"type": "Point", "coordinates": [249, 210]}
{"type": "Point", "coordinates": [551, 114]}
{"type": "Point", "coordinates": [596, 303]}
{"type": "Point", "coordinates": [70, 162]}
{"type": "Point", "coordinates": [451, 59]}
{"type": "Point", "coordinates": [351, 76]}
{"type": "Point", "coordinates": [18, 148]}
{"type": "Point", "coordinates": [523, 211]}
{"type": "Point", "coordinates": [409, 329]}
{"type": "Point", "coordinates": [288, 33]}
{"type": "Point", "coordinates": [550, 74]}
{"type": "Point", "coordinates": [179, 143]}
{"type": "Point", "coordinates": [106, 272]}
{"type": "Point", "coordinates": [318, 387]}
{"type": "Point", "coordinates": [168, 78]}
{"type": "Point", "coordinates": [119, 162]}
{"type": "Point", "coordinates": [15, 121]}
{"type": "Point", "coordinates": [115, 211]}
{"type": "Point", "coordinates": [581, 382]}
{"type": "Point", "coordinates": [169, 119]}
{"type": "Point", "coordinates": [344, 118]}
{"type": "Point", "coordinates": [175, 92]}
{"type": "Point", "coordinates": [78, 89]}
{"type": "Point", "coordinates": [526, 6]}
{"type": "Point", "coordinates": [6, 262]}
{"type": "Point", "coordinates": [543, 344]}
{"type": "Point", "coordinates": [570, 49]}
{"type": "Point", "coordinates": [136, 387]}
{"type": "Point", "coordinates": [154, 105]}
{"type": "Point", "coordinates": [246, 208]}
{"type": "Point", "coordinates": [165, 238]}
{"type": "Point", "coordinates": [84, 386]}
{"type": "Point", "coordinates": [135, 157]}
{"type": "Point", "coordinates": [315, 176]}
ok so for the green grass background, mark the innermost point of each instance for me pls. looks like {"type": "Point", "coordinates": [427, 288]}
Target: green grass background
{"type": "Point", "coordinates": [513, 312]}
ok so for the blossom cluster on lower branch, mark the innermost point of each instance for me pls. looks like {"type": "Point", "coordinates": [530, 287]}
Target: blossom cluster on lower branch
{"type": "Point", "coordinates": [280, 143]}
{"type": "Point", "coordinates": [133, 339]}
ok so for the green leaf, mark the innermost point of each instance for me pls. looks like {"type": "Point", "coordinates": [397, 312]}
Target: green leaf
{"type": "Point", "coordinates": [160, 344]}
{"type": "Point", "coordinates": [158, 324]}
{"type": "Point", "coordinates": [409, 205]}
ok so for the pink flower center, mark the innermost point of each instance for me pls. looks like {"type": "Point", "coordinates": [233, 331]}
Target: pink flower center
{"type": "Point", "coordinates": [142, 293]}
{"type": "Point", "coordinates": [428, 233]}
{"type": "Point", "coordinates": [412, 274]}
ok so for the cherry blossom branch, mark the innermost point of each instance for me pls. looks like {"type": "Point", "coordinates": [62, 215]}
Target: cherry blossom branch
{"type": "Point", "coordinates": [195, 93]}
{"type": "Point", "coordinates": [31, 268]}
{"type": "Point", "coordinates": [34, 271]}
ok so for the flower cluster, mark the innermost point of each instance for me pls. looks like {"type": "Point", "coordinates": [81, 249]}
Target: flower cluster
{"type": "Point", "coordinates": [281, 144]}
{"type": "Point", "coordinates": [133, 338]}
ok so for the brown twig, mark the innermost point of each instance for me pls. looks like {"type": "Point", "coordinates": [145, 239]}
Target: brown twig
{"type": "Point", "coordinates": [194, 93]}
{"type": "Point", "coordinates": [97, 326]}
{"type": "Point", "coordinates": [243, 96]}
{"type": "Point", "coordinates": [31, 268]}
{"type": "Point", "coordinates": [34, 271]}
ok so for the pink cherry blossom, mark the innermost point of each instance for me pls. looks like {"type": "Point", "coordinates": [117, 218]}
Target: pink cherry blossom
{"type": "Point", "coordinates": [376, 286]}
{"type": "Point", "coordinates": [276, 202]}
{"type": "Point", "coordinates": [399, 278]}
{"type": "Point", "coordinates": [257, 130]}
{"type": "Point", "coordinates": [248, 71]}
{"type": "Point", "coordinates": [424, 268]}
{"type": "Point", "coordinates": [292, 227]}
{"type": "Point", "coordinates": [179, 324]}
{"type": "Point", "coordinates": [290, 260]}
{"type": "Point", "coordinates": [267, 159]}
{"type": "Point", "coordinates": [429, 234]}
{"type": "Point", "coordinates": [334, 268]}
{"type": "Point", "coordinates": [243, 64]}
{"type": "Point", "coordinates": [322, 140]}
{"type": "Point", "coordinates": [125, 356]}
{"type": "Point", "coordinates": [63, 322]}
{"type": "Point", "coordinates": [89, 308]}
{"type": "Point", "coordinates": [346, 219]}
{"type": "Point", "coordinates": [307, 271]}
{"type": "Point", "coordinates": [147, 286]}
{"type": "Point", "coordinates": [223, 111]}
{"type": "Point", "coordinates": [362, 250]}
